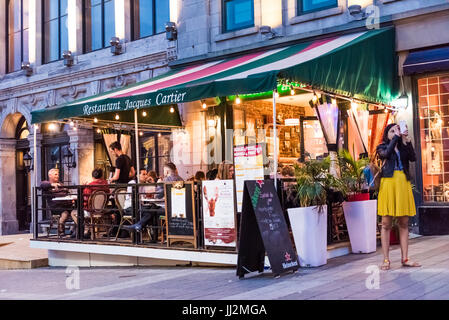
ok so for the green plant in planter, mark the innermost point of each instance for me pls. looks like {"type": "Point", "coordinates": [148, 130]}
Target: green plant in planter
{"type": "Point", "coordinates": [314, 182]}
{"type": "Point", "coordinates": [352, 176]}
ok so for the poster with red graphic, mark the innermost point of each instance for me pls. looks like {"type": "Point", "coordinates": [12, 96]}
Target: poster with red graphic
{"type": "Point", "coordinates": [218, 213]}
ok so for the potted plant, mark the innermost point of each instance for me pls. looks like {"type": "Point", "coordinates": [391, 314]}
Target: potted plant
{"type": "Point", "coordinates": [360, 212]}
{"type": "Point", "coordinates": [309, 220]}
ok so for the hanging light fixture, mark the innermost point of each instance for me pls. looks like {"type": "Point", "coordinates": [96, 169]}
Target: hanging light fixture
{"type": "Point", "coordinates": [238, 100]}
{"type": "Point", "coordinates": [141, 133]}
{"type": "Point", "coordinates": [292, 91]}
{"type": "Point", "coordinates": [204, 105]}
{"type": "Point", "coordinates": [314, 98]}
{"type": "Point", "coordinates": [95, 120]}
{"type": "Point", "coordinates": [144, 113]}
{"type": "Point", "coordinates": [98, 130]}
{"type": "Point", "coordinates": [117, 117]}
{"type": "Point", "coordinates": [52, 127]}
{"type": "Point", "coordinates": [72, 124]}
{"type": "Point", "coordinates": [172, 109]}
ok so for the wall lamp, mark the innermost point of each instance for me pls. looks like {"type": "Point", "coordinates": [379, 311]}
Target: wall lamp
{"type": "Point", "coordinates": [68, 58]}
{"type": "Point", "coordinates": [116, 45]}
{"type": "Point", "coordinates": [28, 162]}
{"type": "Point", "coordinates": [267, 30]}
{"type": "Point", "coordinates": [357, 12]}
{"type": "Point", "coordinates": [68, 155]}
{"type": "Point", "coordinates": [170, 31]}
{"type": "Point", "coordinates": [26, 66]}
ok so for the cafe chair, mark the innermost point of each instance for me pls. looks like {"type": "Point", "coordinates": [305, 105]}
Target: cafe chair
{"type": "Point", "coordinates": [120, 197]}
{"type": "Point", "coordinates": [96, 203]}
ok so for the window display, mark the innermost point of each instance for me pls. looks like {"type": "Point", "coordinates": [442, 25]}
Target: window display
{"type": "Point", "coordinates": [433, 93]}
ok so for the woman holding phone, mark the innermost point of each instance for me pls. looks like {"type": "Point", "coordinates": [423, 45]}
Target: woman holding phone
{"type": "Point", "coordinates": [395, 193]}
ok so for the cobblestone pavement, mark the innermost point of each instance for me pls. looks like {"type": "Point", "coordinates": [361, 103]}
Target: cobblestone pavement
{"type": "Point", "coordinates": [349, 277]}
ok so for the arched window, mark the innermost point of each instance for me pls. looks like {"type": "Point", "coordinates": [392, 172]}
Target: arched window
{"type": "Point", "coordinates": [22, 130]}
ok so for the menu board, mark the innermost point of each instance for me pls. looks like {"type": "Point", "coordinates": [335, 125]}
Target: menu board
{"type": "Point", "coordinates": [218, 213]}
{"type": "Point", "coordinates": [263, 229]}
{"type": "Point", "coordinates": [248, 164]}
{"type": "Point", "coordinates": [180, 212]}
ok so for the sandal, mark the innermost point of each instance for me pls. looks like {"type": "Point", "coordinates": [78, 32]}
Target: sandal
{"type": "Point", "coordinates": [407, 263]}
{"type": "Point", "coordinates": [385, 265]}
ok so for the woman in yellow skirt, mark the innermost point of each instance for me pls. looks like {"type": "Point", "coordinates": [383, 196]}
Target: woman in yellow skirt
{"type": "Point", "coordinates": [395, 193]}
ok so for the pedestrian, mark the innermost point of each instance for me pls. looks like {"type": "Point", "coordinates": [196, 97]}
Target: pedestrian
{"type": "Point", "coordinates": [395, 198]}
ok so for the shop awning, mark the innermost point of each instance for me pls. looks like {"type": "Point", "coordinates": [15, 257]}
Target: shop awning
{"type": "Point", "coordinates": [360, 65]}
{"type": "Point", "coordinates": [429, 60]}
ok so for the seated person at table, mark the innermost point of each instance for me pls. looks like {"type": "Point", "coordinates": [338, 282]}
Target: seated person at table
{"type": "Point", "coordinates": [147, 192]}
{"type": "Point", "coordinates": [124, 170]}
{"type": "Point", "coordinates": [98, 183]}
{"type": "Point", "coordinates": [53, 189]}
{"type": "Point", "coordinates": [170, 175]}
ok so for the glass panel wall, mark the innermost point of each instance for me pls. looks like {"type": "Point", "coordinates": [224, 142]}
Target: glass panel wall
{"type": "Point", "coordinates": [433, 104]}
{"type": "Point", "coordinates": [55, 29]}
{"type": "Point", "coordinates": [17, 32]}
{"type": "Point", "coordinates": [99, 24]}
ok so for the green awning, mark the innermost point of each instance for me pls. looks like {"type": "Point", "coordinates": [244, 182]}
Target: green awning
{"type": "Point", "coordinates": [360, 65]}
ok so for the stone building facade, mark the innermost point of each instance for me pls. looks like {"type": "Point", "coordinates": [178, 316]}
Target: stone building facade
{"type": "Point", "coordinates": [201, 36]}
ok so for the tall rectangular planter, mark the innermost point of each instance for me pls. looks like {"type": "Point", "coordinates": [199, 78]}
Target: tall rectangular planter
{"type": "Point", "coordinates": [361, 220]}
{"type": "Point", "coordinates": [309, 230]}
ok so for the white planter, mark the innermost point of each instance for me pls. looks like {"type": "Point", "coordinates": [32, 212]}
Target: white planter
{"type": "Point", "coordinates": [361, 220]}
{"type": "Point", "coordinates": [309, 230]}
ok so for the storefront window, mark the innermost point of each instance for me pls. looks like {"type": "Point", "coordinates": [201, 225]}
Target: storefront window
{"type": "Point", "coordinates": [99, 24]}
{"type": "Point", "coordinates": [55, 29]}
{"type": "Point", "coordinates": [237, 14]}
{"type": "Point", "coordinates": [149, 17]}
{"type": "Point", "coordinates": [155, 151]}
{"type": "Point", "coordinates": [314, 142]}
{"type": "Point", "coordinates": [17, 31]}
{"type": "Point", "coordinates": [433, 94]}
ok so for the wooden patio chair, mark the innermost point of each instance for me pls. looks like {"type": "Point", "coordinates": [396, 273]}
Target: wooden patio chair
{"type": "Point", "coordinates": [96, 203]}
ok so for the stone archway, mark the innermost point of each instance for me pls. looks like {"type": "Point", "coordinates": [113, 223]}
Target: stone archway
{"type": "Point", "coordinates": [8, 205]}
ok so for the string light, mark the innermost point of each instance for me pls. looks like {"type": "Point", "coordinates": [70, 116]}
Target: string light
{"type": "Point", "coordinates": [159, 134]}
{"type": "Point", "coordinates": [95, 120]}
{"type": "Point", "coordinates": [72, 124]}
{"type": "Point", "coordinates": [140, 133]}
{"type": "Point", "coordinates": [172, 109]}
{"type": "Point", "coordinates": [204, 105]}
{"type": "Point", "coordinates": [238, 100]}
{"type": "Point", "coordinates": [98, 130]}
{"type": "Point", "coordinates": [292, 91]}
{"type": "Point", "coordinates": [117, 117]}
{"type": "Point", "coordinates": [51, 127]}
{"type": "Point", "coordinates": [144, 113]}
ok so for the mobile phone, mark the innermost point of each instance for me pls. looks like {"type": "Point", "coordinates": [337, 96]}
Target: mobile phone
{"type": "Point", "coordinates": [402, 126]}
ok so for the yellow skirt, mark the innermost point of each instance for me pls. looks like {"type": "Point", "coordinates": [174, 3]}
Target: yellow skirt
{"type": "Point", "coordinates": [395, 196]}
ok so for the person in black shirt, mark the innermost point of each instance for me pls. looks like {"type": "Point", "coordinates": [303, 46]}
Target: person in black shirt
{"type": "Point", "coordinates": [124, 170]}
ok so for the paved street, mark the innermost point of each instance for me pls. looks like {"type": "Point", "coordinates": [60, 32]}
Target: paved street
{"type": "Point", "coordinates": [342, 278]}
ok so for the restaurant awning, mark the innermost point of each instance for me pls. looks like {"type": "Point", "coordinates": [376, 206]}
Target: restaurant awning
{"type": "Point", "coordinates": [360, 65]}
{"type": "Point", "coordinates": [429, 60]}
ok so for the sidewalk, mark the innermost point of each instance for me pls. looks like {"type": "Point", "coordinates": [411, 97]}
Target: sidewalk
{"type": "Point", "coordinates": [15, 253]}
{"type": "Point", "coordinates": [349, 277]}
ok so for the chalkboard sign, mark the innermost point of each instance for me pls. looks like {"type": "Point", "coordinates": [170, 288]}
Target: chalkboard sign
{"type": "Point", "coordinates": [263, 228]}
{"type": "Point", "coordinates": [180, 212]}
